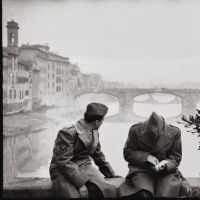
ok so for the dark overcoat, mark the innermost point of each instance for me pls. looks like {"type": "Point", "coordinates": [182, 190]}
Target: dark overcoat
{"type": "Point", "coordinates": [71, 166]}
{"type": "Point", "coordinates": [136, 150]}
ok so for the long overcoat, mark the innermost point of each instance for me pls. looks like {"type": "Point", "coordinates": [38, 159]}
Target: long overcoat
{"type": "Point", "coordinates": [71, 166]}
{"type": "Point", "coordinates": [136, 150]}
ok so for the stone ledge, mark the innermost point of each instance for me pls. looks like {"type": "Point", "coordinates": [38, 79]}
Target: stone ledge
{"type": "Point", "coordinates": [42, 187]}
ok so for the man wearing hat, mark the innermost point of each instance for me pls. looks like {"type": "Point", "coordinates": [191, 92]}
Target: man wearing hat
{"type": "Point", "coordinates": [71, 170]}
{"type": "Point", "coordinates": [153, 151]}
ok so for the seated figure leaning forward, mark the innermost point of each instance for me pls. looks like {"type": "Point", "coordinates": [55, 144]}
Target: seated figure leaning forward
{"type": "Point", "coordinates": [71, 170]}
{"type": "Point", "coordinates": [153, 151]}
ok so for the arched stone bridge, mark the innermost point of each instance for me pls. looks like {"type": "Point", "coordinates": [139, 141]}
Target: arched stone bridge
{"type": "Point", "coordinates": [189, 97]}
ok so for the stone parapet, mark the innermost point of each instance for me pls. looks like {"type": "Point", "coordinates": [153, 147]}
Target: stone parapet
{"type": "Point", "coordinates": [42, 187]}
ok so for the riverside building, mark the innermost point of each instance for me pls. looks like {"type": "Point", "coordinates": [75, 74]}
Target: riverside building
{"type": "Point", "coordinates": [35, 76]}
{"type": "Point", "coordinates": [16, 96]}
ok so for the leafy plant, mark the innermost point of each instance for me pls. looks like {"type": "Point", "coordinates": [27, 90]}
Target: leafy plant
{"type": "Point", "coordinates": [194, 123]}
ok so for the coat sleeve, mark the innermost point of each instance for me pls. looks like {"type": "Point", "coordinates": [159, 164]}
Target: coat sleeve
{"type": "Point", "coordinates": [63, 154]}
{"type": "Point", "coordinates": [132, 154]}
{"type": "Point", "coordinates": [100, 160]}
{"type": "Point", "coordinates": [174, 155]}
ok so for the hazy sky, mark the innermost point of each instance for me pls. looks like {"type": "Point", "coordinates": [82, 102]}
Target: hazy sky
{"type": "Point", "coordinates": [139, 41]}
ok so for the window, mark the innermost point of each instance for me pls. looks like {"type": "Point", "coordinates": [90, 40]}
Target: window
{"type": "Point", "coordinates": [12, 38]}
{"type": "Point", "coordinates": [14, 94]}
{"type": "Point", "coordinates": [27, 93]}
{"type": "Point", "coordinates": [10, 94]}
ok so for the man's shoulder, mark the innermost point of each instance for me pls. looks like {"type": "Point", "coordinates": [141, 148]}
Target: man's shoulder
{"type": "Point", "coordinates": [69, 129]}
{"type": "Point", "coordinates": [136, 126]}
{"type": "Point", "coordinates": [175, 131]}
{"type": "Point", "coordinates": [174, 128]}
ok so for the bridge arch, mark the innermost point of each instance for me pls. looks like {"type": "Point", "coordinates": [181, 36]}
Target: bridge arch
{"type": "Point", "coordinates": [111, 100]}
{"type": "Point", "coordinates": [166, 104]}
{"type": "Point", "coordinates": [158, 92]}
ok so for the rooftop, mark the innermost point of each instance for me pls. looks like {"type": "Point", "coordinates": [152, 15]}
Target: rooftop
{"type": "Point", "coordinates": [12, 24]}
{"type": "Point", "coordinates": [41, 48]}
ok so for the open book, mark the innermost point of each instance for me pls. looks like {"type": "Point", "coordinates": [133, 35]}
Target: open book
{"type": "Point", "coordinates": [161, 165]}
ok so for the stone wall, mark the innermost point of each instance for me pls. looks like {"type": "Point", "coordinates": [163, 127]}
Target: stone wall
{"type": "Point", "coordinates": [41, 187]}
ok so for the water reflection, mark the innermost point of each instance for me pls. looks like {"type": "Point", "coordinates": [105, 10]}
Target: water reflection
{"type": "Point", "coordinates": [113, 137]}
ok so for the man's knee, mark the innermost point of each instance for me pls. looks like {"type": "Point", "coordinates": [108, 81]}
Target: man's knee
{"type": "Point", "coordinates": [93, 190]}
{"type": "Point", "coordinates": [144, 194]}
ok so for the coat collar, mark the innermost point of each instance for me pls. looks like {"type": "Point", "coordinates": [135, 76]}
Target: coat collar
{"type": "Point", "coordinates": [89, 138]}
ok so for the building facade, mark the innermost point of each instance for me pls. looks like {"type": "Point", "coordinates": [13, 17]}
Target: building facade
{"type": "Point", "coordinates": [50, 73]}
{"type": "Point", "coordinates": [35, 76]}
{"type": "Point", "coordinates": [16, 98]}
{"type": "Point", "coordinates": [57, 78]}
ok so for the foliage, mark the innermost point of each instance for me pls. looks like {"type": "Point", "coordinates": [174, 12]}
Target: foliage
{"type": "Point", "coordinates": [194, 123]}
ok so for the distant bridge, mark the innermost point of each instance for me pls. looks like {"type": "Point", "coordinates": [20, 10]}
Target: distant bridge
{"type": "Point", "coordinates": [152, 100]}
{"type": "Point", "coordinates": [188, 97]}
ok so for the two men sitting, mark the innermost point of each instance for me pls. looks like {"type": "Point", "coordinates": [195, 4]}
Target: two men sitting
{"type": "Point", "coordinates": [153, 151]}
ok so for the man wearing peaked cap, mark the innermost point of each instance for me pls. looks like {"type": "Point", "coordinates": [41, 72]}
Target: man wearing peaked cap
{"type": "Point", "coordinates": [153, 151]}
{"type": "Point", "coordinates": [96, 109]}
{"type": "Point", "coordinates": [71, 170]}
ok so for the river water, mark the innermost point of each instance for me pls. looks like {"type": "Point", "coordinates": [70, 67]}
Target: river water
{"type": "Point", "coordinates": [112, 137]}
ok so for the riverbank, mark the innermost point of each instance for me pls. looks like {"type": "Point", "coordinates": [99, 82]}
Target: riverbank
{"type": "Point", "coordinates": [29, 122]}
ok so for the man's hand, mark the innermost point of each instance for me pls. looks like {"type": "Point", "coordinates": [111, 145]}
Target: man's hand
{"type": "Point", "coordinates": [152, 160]}
{"type": "Point", "coordinates": [83, 192]}
{"type": "Point", "coordinates": [161, 166]}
